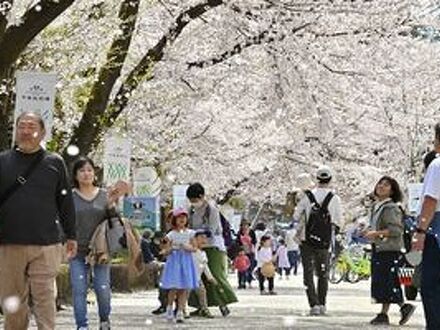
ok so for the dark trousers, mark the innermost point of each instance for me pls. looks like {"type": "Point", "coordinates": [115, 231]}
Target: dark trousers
{"type": "Point", "coordinates": [293, 257]}
{"type": "Point", "coordinates": [163, 297]}
{"type": "Point", "coordinates": [431, 282]}
{"type": "Point", "coordinates": [242, 278]}
{"type": "Point", "coordinates": [286, 271]}
{"type": "Point", "coordinates": [262, 279]}
{"type": "Point", "coordinates": [315, 261]}
{"type": "Point", "coordinates": [249, 276]}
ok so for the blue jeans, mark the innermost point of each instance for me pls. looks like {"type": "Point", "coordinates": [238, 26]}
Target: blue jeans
{"type": "Point", "coordinates": [249, 276]}
{"type": "Point", "coordinates": [79, 271]}
{"type": "Point", "coordinates": [431, 282]}
{"type": "Point", "coordinates": [293, 257]}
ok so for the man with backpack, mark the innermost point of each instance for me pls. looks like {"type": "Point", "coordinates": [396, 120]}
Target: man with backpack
{"type": "Point", "coordinates": [318, 212]}
{"type": "Point", "coordinates": [205, 216]}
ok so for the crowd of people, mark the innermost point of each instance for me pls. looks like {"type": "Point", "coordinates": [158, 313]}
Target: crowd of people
{"type": "Point", "coordinates": [40, 212]}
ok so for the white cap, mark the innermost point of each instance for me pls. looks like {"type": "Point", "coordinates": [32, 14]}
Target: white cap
{"type": "Point", "coordinates": [324, 173]}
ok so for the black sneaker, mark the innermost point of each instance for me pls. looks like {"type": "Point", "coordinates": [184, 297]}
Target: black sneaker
{"type": "Point", "coordinates": [196, 312]}
{"type": "Point", "coordinates": [206, 314]}
{"type": "Point", "coordinates": [380, 319]}
{"type": "Point", "coordinates": [407, 310]}
{"type": "Point", "coordinates": [159, 311]}
{"type": "Point", "coordinates": [225, 310]}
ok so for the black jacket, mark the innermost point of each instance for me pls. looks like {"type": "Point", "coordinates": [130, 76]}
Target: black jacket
{"type": "Point", "coordinates": [41, 212]}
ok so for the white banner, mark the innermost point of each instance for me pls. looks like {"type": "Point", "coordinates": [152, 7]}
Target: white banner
{"type": "Point", "coordinates": [179, 196]}
{"type": "Point", "coordinates": [146, 182]}
{"type": "Point", "coordinates": [35, 92]}
{"type": "Point", "coordinates": [414, 197]}
{"type": "Point", "coordinates": [117, 155]}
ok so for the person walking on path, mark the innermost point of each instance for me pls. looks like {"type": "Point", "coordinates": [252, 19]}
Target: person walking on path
{"type": "Point", "coordinates": [292, 249]}
{"type": "Point", "coordinates": [318, 212]}
{"type": "Point", "coordinates": [36, 214]}
{"type": "Point", "coordinates": [247, 240]}
{"type": "Point", "coordinates": [206, 216]}
{"type": "Point", "coordinates": [92, 206]}
{"type": "Point", "coordinates": [386, 234]}
{"type": "Point", "coordinates": [265, 265]}
{"type": "Point", "coordinates": [201, 261]}
{"type": "Point", "coordinates": [427, 239]}
{"type": "Point", "coordinates": [283, 260]}
{"type": "Point", "coordinates": [242, 265]}
{"type": "Point", "coordinates": [180, 272]}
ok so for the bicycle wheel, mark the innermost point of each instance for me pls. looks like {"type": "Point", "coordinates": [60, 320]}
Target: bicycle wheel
{"type": "Point", "coordinates": [336, 274]}
{"type": "Point", "coordinates": [352, 276]}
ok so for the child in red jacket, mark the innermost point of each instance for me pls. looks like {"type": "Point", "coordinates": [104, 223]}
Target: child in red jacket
{"type": "Point", "coordinates": [242, 264]}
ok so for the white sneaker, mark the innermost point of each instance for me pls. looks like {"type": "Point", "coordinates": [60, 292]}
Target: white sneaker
{"type": "Point", "coordinates": [179, 317]}
{"type": "Point", "coordinates": [322, 310]}
{"type": "Point", "coordinates": [169, 314]}
{"type": "Point", "coordinates": [315, 311]}
{"type": "Point", "coordinates": [104, 325]}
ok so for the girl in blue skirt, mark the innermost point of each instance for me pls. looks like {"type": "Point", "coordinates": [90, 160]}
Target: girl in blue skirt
{"type": "Point", "coordinates": [180, 273]}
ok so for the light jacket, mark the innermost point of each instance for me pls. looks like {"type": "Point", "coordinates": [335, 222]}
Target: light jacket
{"type": "Point", "coordinates": [99, 251]}
{"type": "Point", "coordinates": [389, 218]}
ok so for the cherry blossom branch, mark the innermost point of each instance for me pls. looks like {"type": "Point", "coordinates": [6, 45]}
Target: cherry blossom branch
{"type": "Point", "coordinates": [16, 37]}
{"type": "Point", "coordinates": [259, 39]}
{"type": "Point", "coordinates": [143, 70]}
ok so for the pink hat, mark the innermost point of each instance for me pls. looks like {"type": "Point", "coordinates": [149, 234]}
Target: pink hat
{"type": "Point", "coordinates": [180, 211]}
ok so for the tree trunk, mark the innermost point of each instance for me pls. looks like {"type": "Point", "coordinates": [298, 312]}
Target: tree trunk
{"type": "Point", "coordinates": [101, 117]}
{"type": "Point", "coordinates": [88, 128]}
{"type": "Point", "coordinates": [13, 41]}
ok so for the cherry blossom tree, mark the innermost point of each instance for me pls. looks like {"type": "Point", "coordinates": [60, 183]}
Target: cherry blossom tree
{"type": "Point", "coordinates": [245, 95]}
{"type": "Point", "coordinates": [15, 35]}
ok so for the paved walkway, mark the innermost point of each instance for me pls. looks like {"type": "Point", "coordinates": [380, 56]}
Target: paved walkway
{"type": "Point", "coordinates": [349, 307]}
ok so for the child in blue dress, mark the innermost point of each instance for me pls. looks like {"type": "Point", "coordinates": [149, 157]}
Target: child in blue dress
{"type": "Point", "coordinates": [180, 273]}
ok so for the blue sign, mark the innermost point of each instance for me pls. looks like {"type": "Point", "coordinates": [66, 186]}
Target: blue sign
{"type": "Point", "coordinates": [143, 212]}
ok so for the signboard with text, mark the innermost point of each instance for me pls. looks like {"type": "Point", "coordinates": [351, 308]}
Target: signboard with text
{"type": "Point", "coordinates": [117, 155]}
{"type": "Point", "coordinates": [35, 92]}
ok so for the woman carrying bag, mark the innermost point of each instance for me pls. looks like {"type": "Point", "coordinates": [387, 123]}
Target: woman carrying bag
{"type": "Point", "coordinates": [92, 205]}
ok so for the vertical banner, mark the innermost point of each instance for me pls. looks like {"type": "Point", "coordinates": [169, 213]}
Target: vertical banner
{"type": "Point", "coordinates": [414, 197]}
{"type": "Point", "coordinates": [117, 155]}
{"type": "Point", "coordinates": [146, 182]}
{"type": "Point", "coordinates": [143, 212]}
{"type": "Point", "coordinates": [179, 196]}
{"type": "Point", "coordinates": [35, 92]}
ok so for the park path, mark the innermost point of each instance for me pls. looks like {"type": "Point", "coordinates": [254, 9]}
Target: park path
{"type": "Point", "coordinates": [349, 307]}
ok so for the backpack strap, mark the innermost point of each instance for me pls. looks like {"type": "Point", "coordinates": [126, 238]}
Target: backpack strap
{"type": "Point", "coordinates": [22, 179]}
{"type": "Point", "coordinates": [207, 214]}
{"type": "Point", "coordinates": [327, 201]}
{"type": "Point", "coordinates": [311, 197]}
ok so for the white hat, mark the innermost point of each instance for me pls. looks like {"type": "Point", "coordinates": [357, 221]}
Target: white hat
{"type": "Point", "coordinates": [324, 173]}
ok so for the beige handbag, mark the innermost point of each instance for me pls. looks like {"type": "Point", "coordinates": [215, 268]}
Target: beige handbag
{"type": "Point", "coordinates": [268, 269]}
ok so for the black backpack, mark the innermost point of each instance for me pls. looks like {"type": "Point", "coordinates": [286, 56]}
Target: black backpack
{"type": "Point", "coordinates": [319, 224]}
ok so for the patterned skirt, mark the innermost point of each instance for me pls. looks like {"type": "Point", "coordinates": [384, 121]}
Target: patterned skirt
{"type": "Point", "coordinates": [385, 285]}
